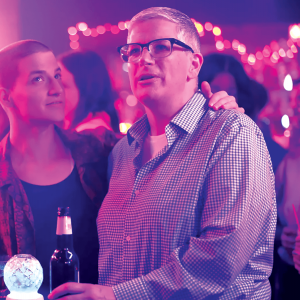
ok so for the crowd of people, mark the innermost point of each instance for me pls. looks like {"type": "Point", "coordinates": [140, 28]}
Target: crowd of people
{"type": "Point", "coordinates": [183, 206]}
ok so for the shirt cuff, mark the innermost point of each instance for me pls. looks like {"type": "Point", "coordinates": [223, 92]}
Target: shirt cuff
{"type": "Point", "coordinates": [134, 289]}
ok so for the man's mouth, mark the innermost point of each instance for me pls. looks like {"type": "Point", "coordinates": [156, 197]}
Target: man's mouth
{"type": "Point", "coordinates": [146, 77]}
{"type": "Point", "coordinates": [54, 102]}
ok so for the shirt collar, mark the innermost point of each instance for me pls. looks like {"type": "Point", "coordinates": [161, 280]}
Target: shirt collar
{"type": "Point", "coordinates": [187, 118]}
{"type": "Point", "coordinates": [191, 113]}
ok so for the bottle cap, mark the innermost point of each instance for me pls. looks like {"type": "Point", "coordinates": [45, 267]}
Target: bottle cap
{"type": "Point", "coordinates": [63, 211]}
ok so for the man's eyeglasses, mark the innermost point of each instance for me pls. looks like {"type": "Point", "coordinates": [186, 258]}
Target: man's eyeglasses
{"type": "Point", "coordinates": [157, 48]}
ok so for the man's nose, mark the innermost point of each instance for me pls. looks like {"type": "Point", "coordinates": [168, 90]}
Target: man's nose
{"type": "Point", "coordinates": [146, 56]}
{"type": "Point", "coordinates": [55, 87]}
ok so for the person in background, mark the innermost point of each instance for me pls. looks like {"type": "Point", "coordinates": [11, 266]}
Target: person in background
{"type": "Point", "coordinates": [288, 190]}
{"type": "Point", "coordinates": [88, 91]}
{"type": "Point", "coordinates": [43, 167]}
{"type": "Point", "coordinates": [224, 72]}
{"type": "Point", "coordinates": [191, 209]}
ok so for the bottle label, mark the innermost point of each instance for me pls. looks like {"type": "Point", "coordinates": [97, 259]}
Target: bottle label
{"type": "Point", "coordinates": [63, 225]}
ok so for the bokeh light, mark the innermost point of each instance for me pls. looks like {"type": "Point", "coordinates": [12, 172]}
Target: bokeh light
{"type": "Point", "coordinates": [217, 31]}
{"type": "Point", "coordinates": [121, 25]}
{"type": "Point", "coordinates": [87, 32]}
{"type": "Point", "coordinates": [72, 30]}
{"type": "Point", "coordinates": [285, 121]}
{"type": "Point", "coordinates": [115, 29]}
{"type": "Point", "coordinates": [244, 58]}
{"type": "Point", "coordinates": [295, 32]}
{"type": "Point", "coordinates": [131, 100]}
{"type": "Point", "coordinates": [294, 49]}
{"type": "Point", "coordinates": [74, 38]}
{"type": "Point", "coordinates": [227, 44]}
{"type": "Point", "coordinates": [289, 53]}
{"type": "Point", "coordinates": [267, 51]}
{"type": "Point", "coordinates": [94, 32]}
{"type": "Point", "coordinates": [288, 83]}
{"type": "Point", "coordinates": [199, 27]}
{"type": "Point", "coordinates": [220, 45]}
{"type": "Point", "coordinates": [259, 55]}
{"type": "Point", "coordinates": [107, 26]}
{"type": "Point", "coordinates": [242, 49]}
{"type": "Point", "coordinates": [82, 26]}
{"type": "Point", "coordinates": [74, 45]}
{"type": "Point", "coordinates": [235, 44]}
{"type": "Point", "coordinates": [208, 26]}
{"type": "Point", "coordinates": [281, 52]}
{"type": "Point", "coordinates": [101, 29]}
{"type": "Point", "coordinates": [251, 59]}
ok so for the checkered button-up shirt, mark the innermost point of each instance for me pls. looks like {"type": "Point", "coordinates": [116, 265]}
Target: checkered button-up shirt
{"type": "Point", "coordinates": [198, 220]}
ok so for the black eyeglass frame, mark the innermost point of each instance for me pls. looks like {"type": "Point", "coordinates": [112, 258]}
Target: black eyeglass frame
{"type": "Point", "coordinates": [172, 40]}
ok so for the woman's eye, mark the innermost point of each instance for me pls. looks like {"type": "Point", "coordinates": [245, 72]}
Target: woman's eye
{"type": "Point", "coordinates": [57, 76]}
{"type": "Point", "coordinates": [38, 79]}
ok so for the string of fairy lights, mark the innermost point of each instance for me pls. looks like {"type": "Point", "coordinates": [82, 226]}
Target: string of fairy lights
{"type": "Point", "coordinates": [271, 53]}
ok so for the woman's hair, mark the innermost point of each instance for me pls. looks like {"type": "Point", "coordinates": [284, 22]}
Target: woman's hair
{"type": "Point", "coordinates": [94, 85]}
{"type": "Point", "coordinates": [215, 64]}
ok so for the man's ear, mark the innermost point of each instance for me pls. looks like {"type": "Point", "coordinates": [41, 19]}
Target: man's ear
{"type": "Point", "coordinates": [195, 66]}
{"type": "Point", "coordinates": [5, 98]}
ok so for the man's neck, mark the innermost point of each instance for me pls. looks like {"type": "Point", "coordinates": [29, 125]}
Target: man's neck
{"type": "Point", "coordinates": [160, 115]}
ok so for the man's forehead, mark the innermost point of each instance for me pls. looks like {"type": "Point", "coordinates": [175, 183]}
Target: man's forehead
{"type": "Point", "coordinates": [158, 27]}
{"type": "Point", "coordinates": [37, 61]}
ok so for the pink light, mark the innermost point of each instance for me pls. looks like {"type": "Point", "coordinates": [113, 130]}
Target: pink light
{"type": "Point", "coordinates": [202, 33]}
{"type": "Point", "coordinates": [82, 26]}
{"type": "Point", "coordinates": [244, 58]}
{"type": "Point", "coordinates": [94, 32]}
{"type": "Point", "coordinates": [267, 51]}
{"type": "Point", "coordinates": [275, 55]}
{"type": "Point", "coordinates": [295, 32]}
{"type": "Point", "coordinates": [298, 43]}
{"type": "Point", "coordinates": [72, 30]}
{"type": "Point", "coordinates": [259, 55]}
{"type": "Point", "coordinates": [127, 24]}
{"type": "Point", "coordinates": [235, 44]}
{"type": "Point", "coordinates": [208, 26]}
{"type": "Point", "coordinates": [289, 53]}
{"type": "Point", "coordinates": [131, 100]}
{"type": "Point", "coordinates": [74, 38]}
{"type": "Point", "coordinates": [227, 44]}
{"type": "Point", "coordinates": [290, 43]}
{"type": "Point", "coordinates": [199, 27]}
{"type": "Point", "coordinates": [220, 45]}
{"type": "Point", "coordinates": [107, 26]}
{"type": "Point", "coordinates": [217, 31]}
{"type": "Point", "coordinates": [74, 45]}
{"type": "Point", "coordinates": [282, 52]}
{"type": "Point", "coordinates": [294, 49]}
{"type": "Point", "coordinates": [273, 59]}
{"type": "Point", "coordinates": [121, 25]}
{"type": "Point", "coordinates": [251, 59]}
{"type": "Point", "coordinates": [87, 32]}
{"type": "Point", "coordinates": [101, 29]}
{"type": "Point", "coordinates": [218, 38]}
{"type": "Point", "coordinates": [114, 29]}
{"type": "Point", "coordinates": [274, 46]}
{"type": "Point", "coordinates": [242, 49]}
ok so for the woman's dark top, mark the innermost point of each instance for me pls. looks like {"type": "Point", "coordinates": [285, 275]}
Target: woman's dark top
{"type": "Point", "coordinates": [44, 201]}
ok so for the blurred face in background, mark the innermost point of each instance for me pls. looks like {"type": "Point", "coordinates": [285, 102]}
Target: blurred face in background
{"type": "Point", "coordinates": [72, 94]}
{"type": "Point", "coordinates": [37, 94]}
{"type": "Point", "coordinates": [224, 82]}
